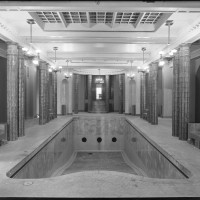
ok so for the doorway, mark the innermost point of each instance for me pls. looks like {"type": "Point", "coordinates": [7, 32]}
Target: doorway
{"type": "Point", "coordinates": [98, 94]}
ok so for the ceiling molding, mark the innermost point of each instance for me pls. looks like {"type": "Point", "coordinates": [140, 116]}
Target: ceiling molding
{"type": "Point", "coordinates": [189, 35]}
{"type": "Point", "coordinates": [9, 34]}
{"type": "Point", "coordinates": [96, 71]}
{"type": "Point", "coordinates": [91, 40]}
{"type": "Point", "coordinates": [162, 6]}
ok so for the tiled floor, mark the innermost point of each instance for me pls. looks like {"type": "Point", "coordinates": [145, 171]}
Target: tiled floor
{"type": "Point", "coordinates": [110, 161]}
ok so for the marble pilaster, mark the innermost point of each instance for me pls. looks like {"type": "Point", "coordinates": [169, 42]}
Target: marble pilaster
{"type": "Point", "coordinates": [107, 93]}
{"type": "Point", "coordinates": [12, 91]}
{"type": "Point", "coordinates": [21, 92]}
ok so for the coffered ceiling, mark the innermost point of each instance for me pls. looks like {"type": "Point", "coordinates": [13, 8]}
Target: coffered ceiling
{"type": "Point", "coordinates": [100, 34]}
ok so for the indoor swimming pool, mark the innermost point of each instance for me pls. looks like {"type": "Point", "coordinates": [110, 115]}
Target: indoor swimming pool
{"type": "Point", "coordinates": [90, 143]}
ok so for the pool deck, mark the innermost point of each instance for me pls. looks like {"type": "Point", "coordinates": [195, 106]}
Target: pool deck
{"type": "Point", "coordinates": [100, 183]}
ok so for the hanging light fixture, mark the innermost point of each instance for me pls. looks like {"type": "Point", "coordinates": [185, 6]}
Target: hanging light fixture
{"type": "Point", "coordinates": [31, 22]}
{"type": "Point", "coordinates": [99, 79]}
{"type": "Point", "coordinates": [169, 23]}
{"type": "Point", "coordinates": [29, 51]}
{"type": "Point", "coordinates": [68, 74]}
{"type": "Point", "coordinates": [55, 68]}
{"type": "Point", "coordinates": [131, 75]}
{"type": "Point", "coordinates": [143, 70]}
{"type": "Point", "coordinates": [36, 60]}
{"type": "Point", "coordinates": [161, 61]}
{"type": "Point", "coordinates": [169, 56]}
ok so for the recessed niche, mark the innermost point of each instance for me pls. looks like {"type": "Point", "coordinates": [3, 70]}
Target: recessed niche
{"type": "Point", "coordinates": [84, 139]}
{"type": "Point", "coordinates": [99, 139]}
{"type": "Point", "coordinates": [114, 139]}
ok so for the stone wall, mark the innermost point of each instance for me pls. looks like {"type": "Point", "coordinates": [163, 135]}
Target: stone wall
{"type": "Point", "coordinates": [93, 127]}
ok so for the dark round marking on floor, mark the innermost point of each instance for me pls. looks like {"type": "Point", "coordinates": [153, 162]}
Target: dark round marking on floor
{"type": "Point", "coordinates": [84, 139]}
{"type": "Point", "coordinates": [133, 139]}
{"type": "Point", "coordinates": [63, 139]}
{"type": "Point", "coordinates": [99, 139]}
{"type": "Point", "coordinates": [114, 139]}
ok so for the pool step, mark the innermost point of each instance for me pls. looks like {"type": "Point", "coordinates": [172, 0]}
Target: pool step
{"type": "Point", "coordinates": [89, 161]}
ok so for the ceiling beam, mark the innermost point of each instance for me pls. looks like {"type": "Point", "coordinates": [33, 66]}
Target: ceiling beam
{"type": "Point", "coordinates": [139, 20]}
{"type": "Point", "coordinates": [162, 20]}
{"type": "Point", "coordinates": [60, 14]}
{"type": "Point", "coordinates": [39, 22]}
{"type": "Point", "coordinates": [113, 24]}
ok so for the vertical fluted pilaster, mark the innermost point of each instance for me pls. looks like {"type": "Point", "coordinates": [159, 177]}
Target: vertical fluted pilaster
{"type": "Point", "coordinates": [70, 97]}
{"type": "Point", "coordinates": [21, 92]}
{"type": "Point", "coordinates": [142, 94]}
{"type": "Point", "coordinates": [181, 92]}
{"type": "Point", "coordinates": [47, 95]}
{"type": "Point", "coordinates": [175, 102]}
{"type": "Point", "coordinates": [120, 93]}
{"type": "Point", "coordinates": [141, 99]}
{"type": "Point", "coordinates": [150, 97]}
{"type": "Point", "coordinates": [76, 84]}
{"type": "Point", "coordinates": [107, 93]}
{"type": "Point", "coordinates": [42, 92]}
{"type": "Point", "coordinates": [89, 93]}
{"type": "Point", "coordinates": [55, 94]}
{"type": "Point", "coordinates": [12, 91]}
{"type": "Point", "coordinates": [154, 93]}
{"type": "Point", "coordinates": [147, 93]}
{"type": "Point", "coordinates": [184, 89]}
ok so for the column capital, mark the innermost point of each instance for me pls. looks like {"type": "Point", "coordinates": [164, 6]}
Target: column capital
{"type": "Point", "coordinates": [42, 65]}
{"type": "Point", "coordinates": [153, 63]}
{"type": "Point", "coordinates": [11, 43]}
{"type": "Point", "coordinates": [185, 45]}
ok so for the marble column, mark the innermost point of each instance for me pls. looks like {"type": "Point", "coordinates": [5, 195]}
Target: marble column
{"type": "Point", "coordinates": [47, 85]}
{"type": "Point", "coordinates": [175, 106]}
{"type": "Point", "coordinates": [107, 93]}
{"type": "Point", "coordinates": [154, 93]}
{"type": "Point", "coordinates": [128, 94]}
{"type": "Point", "coordinates": [150, 97]}
{"type": "Point", "coordinates": [50, 96]}
{"type": "Point", "coordinates": [22, 77]}
{"type": "Point", "coordinates": [89, 93]}
{"type": "Point", "coordinates": [142, 94]}
{"type": "Point", "coordinates": [12, 91]}
{"type": "Point", "coordinates": [70, 97]}
{"type": "Point", "coordinates": [147, 93]}
{"type": "Point", "coordinates": [120, 93]}
{"type": "Point", "coordinates": [181, 92]}
{"type": "Point", "coordinates": [42, 92]}
{"type": "Point", "coordinates": [54, 74]}
{"type": "Point", "coordinates": [76, 91]}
